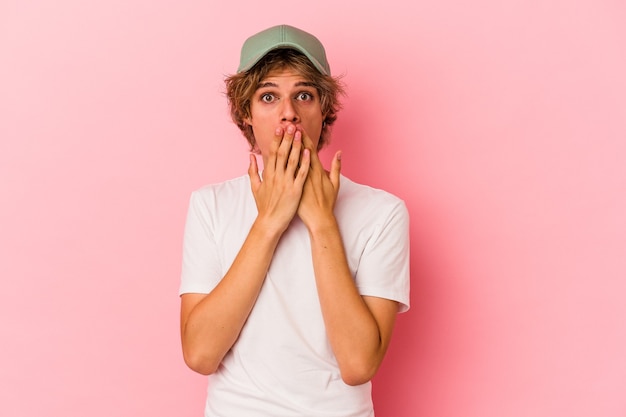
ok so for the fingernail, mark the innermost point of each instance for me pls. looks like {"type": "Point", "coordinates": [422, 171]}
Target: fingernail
{"type": "Point", "coordinates": [278, 131]}
{"type": "Point", "coordinates": [298, 135]}
{"type": "Point", "coordinates": [291, 129]}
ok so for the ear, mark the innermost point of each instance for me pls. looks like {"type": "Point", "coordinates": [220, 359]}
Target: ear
{"type": "Point", "coordinates": [247, 119]}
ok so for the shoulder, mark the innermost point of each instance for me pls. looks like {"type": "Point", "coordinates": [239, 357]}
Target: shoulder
{"type": "Point", "coordinates": [223, 199]}
{"type": "Point", "coordinates": [359, 205]}
{"type": "Point", "coordinates": [232, 186]}
{"type": "Point", "coordinates": [354, 195]}
{"type": "Point", "coordinates": [229, 191]}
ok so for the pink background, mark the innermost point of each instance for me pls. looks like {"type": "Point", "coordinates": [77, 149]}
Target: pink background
{"type": "Point", "coordinates": [501, 124]}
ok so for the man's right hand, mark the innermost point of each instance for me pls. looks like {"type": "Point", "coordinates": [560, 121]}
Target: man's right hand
{"type": "Point", "coordinates": [278, 194]}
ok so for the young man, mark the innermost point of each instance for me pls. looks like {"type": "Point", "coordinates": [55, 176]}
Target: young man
{"type": "Point", "coordinates": [292, 277]}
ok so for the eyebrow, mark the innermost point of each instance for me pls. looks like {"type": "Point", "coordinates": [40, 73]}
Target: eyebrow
{"type": "Point", "coordinates": [298, 84]}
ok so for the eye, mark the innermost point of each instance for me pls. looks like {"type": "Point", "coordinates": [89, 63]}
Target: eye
{"type": "Point", "coordinates": [267, 98]}
{"type": "Point", "coordinates": [304, 96]}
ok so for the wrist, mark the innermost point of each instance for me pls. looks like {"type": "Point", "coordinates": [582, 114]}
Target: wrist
{"type": "Point", "coordinates": [323, 225]}
{"type": "Point", "coordinates": [267, 229]}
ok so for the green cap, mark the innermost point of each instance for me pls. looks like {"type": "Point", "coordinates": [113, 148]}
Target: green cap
{"type": "Point", "coordinates": [283, 36]}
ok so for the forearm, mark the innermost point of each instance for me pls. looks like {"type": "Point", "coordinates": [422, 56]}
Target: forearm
{"type": "Point", "coordinates": [210, 327]}
{"type": "Point", "coordinates": [352, 329]}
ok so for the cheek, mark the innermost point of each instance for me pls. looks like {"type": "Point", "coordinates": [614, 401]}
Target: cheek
{"type": "Point", "coordinates": [260, 117]}
{"type": "Point", "coordinates": [263, 133]}
{"type": "Point", "coordinates": [315, 125]}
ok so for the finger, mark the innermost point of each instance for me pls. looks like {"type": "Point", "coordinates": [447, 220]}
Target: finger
{"type": "Point", "coordinates": [285, 146]}
{"type": "Point", "coordinates": [303, 170]}
{"type": "Point", "coordinates": [295, 153]}
{"type": "Point", "coordinates": [253, 173]}
{"type": "Point", "coordinates": [315, 160]}
{"type": "Point", "coordinates": [271, 160]}
{"type": "Point", "coordinates": [335, 170]}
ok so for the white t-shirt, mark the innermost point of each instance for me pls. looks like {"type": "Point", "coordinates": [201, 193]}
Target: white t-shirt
{"type": "Point", "coordinates": [282, 363]}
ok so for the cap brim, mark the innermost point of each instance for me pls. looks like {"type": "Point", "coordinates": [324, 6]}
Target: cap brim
{"type": "Point", "coordinates": [245, 66]}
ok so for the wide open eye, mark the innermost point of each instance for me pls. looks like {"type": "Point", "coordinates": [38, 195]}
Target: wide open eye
{"type": "Point", "coordinates": [304, 96]}
{"type": "Point", "coordinates": [267, 98]}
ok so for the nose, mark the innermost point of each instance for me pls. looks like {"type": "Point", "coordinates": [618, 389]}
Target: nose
{"type": "Point", "coordinates": [289, 112]}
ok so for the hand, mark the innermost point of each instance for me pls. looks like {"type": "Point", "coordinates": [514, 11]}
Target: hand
{"type": "Point", "coordinates": [278, 195]}
{"type": "Point", "coordinates": [320, 189]}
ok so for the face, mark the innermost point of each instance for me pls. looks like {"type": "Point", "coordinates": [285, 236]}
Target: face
{"type": "Point", "coordinates": [282, 98]}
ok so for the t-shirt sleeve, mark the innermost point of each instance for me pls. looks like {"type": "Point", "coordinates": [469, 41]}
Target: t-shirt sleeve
{"type": "Point", "coordinates": [384, 266]}
{"type": "Point", "coordinates": [201, 269]}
